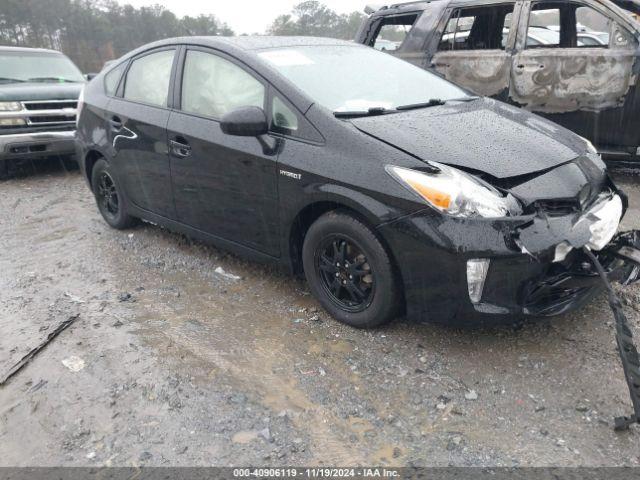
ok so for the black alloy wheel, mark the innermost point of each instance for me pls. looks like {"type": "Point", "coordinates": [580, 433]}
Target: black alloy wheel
{"type": "Point", "coordinates": [109, 196]}
{"type": "Point", "coordinates": [349, 271]}
{"type": "Point", "coordinates": [345, 273]}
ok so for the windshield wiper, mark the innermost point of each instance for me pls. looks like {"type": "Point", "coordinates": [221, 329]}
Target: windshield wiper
{"type": "Point", "coordinates": [11, 80]}
{"type": "Point", "coordinates": [51, 79]}
{"type": "Point", "coordinates": [434, 102]}
{"type": "Point", "coordinates": [363, 113]}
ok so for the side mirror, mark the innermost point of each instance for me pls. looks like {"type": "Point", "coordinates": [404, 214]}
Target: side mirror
{"type": "Point", "coordinates": [90, 76]}
{"type": "Point", "coordinates": [245, 122]}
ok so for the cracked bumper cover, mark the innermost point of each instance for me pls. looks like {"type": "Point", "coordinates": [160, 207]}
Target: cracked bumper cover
{"type": "Point", "coordinates": [526, 277]}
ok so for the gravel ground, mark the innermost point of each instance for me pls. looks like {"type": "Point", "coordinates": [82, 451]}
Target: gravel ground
{"type": "Point", "coordinates": [174, 362]}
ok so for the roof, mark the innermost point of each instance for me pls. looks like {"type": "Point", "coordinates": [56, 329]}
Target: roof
{"type": "Point", "coordinates": [4, 48]}
{"type": "Point", "coordinates": [243, 44]}
{"type": "Point", "coordinates": [630, 5]}
{"type": "Point", "coordinates": [259, 42]}
{"type": "Point", "coordinates": [406, 6]}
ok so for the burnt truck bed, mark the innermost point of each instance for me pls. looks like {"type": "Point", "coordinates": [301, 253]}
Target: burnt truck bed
{"type": "Point", "coordinates": [582, 79]}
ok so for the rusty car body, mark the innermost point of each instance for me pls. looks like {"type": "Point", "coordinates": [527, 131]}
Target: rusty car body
{"type": "Point", "coordinates": [490, 47]}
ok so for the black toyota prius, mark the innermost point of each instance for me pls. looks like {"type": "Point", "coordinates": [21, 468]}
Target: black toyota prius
{"type": "Point", "coordinates": [393, 190]}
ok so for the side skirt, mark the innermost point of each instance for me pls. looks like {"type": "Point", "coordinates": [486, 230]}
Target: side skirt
{"type": "Point", "coordinates": [191, 232]}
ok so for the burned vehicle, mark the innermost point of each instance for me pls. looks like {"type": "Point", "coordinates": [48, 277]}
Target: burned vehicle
{"type": "Point", "coordinates": [38, 98]}
{"type": "Point", "coordinates": [574, 62]}
{"type": "Point", "coordinates": [334, 159]}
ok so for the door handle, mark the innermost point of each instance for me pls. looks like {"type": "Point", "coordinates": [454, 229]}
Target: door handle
{"type": "Point", "coordinates": [116, 124]}
{"type": "Point", "coordinates": [179, 149]}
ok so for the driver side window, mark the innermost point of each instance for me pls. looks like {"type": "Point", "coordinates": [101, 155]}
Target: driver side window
{"type": "Point", "coordinates": [478, 28]}
{"type": "Point", "coordinates": [393, 31]}
{"type": "Point", "coordinates": [213, 86]}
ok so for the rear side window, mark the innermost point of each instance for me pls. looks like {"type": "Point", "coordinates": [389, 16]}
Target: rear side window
{"type": "Point", "coordinates": [392, 32]}
{"type": "Point", "coordinates": [478, 28]}
{"type": "Point", "coordinates": [148, 78]}
{"type": "Point", "coordinates": [112, 79]}
{"type": "Point", "coordinates": [555, 24]}
{"type": "Point", "coordinates": [213, 86]}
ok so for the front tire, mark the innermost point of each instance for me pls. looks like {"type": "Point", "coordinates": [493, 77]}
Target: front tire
{"type": "Point", "coordinates": [349, 271]}
{"type": "Point", "coordinates": [110, 197]}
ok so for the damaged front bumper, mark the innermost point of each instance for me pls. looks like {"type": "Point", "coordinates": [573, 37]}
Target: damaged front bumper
{"type": "Point", "coordinates": [537, 266]}
{"type": "Point", "coordinates": [536, 263]}
{"type": "Point", "coordinates": [573, 281]}
{"type": "Point", "coordinates": [573, 278]}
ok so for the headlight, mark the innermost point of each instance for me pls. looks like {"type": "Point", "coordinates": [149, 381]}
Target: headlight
{"type": "Point", "coordinates": [454, 192]}
{"type": "Point", "coordinates": [10, 107]}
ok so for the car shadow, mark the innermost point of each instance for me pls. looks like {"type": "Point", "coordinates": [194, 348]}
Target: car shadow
{"type": "Point", "coordinates": [28, 167]}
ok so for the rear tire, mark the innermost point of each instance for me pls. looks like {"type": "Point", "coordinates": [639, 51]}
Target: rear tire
{"type": "Point", "coordinates": [110, 196]}
{"type": "Point", "coordinates": [349, 271]}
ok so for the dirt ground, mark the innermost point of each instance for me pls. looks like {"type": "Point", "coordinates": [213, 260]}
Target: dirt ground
{"type": "Point", "coordinates": [174, 362]}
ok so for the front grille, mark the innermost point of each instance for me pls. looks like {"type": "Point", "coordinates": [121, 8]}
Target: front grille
{"type": "Point", "coordinates": [50, 105]}
{"type": "Point", "coordinates": [52, 113]}
{"type": "Point", "coordinates": [52, 119]}
{"type": "Point", "coordinates": [559, 207]}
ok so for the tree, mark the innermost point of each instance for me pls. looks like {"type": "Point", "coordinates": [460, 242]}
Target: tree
{"type": "Point", "coordinates": [91, 32]}
{"type": "Point", "coordinates": [316, 19]}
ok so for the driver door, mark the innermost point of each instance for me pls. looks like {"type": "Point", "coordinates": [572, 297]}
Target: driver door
{"type": "Point", "coordinates": [223, 185]}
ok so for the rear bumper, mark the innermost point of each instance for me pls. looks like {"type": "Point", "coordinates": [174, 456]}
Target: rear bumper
{"type": "Point", "coordinates": [36, 144]}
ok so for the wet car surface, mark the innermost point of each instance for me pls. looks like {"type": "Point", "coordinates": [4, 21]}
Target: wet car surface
{"type": "Point", "coordinates": [389, 187]}
{"type": "Point", "coordinates": [182, 365]}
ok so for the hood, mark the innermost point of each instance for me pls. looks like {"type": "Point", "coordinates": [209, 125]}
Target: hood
{"type": "Point", "coordinates": [16, 92]}
{"type": "Point", "coordinates": [483, 135]}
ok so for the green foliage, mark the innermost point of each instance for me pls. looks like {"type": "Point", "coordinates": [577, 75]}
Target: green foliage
{"type": "Point", "coordinates": [315, 19]}
{"type": "Point", "coordinates": [91, 32]}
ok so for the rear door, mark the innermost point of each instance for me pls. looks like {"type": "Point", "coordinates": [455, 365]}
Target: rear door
{"type": "Point", "coordinates": [224, 185]}
{"type": "Point", "coordinates": [575, 66]}
{"type": "Point", "coordinates": [476, 45]}
{"type": "Point", "coordinates": [138, 120]}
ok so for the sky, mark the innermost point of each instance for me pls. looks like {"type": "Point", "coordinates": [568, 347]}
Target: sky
{"type": "Point", "coordinates": [244, 16]}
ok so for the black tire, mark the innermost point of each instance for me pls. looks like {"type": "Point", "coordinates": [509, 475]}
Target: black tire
{"type": "Point", "coordinates": [110, 197]}
{"type": "Point", "coordinates": [363, 291]}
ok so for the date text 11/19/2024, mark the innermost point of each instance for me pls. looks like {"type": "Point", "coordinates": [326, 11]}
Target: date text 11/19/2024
{"type": "Point", "coordinates": [289, 472]}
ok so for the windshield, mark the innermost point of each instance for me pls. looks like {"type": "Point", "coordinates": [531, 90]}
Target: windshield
{"type": "Point", "coordinates": [37, 67]}
{"type": "Point", "coordinates": [353, 78]}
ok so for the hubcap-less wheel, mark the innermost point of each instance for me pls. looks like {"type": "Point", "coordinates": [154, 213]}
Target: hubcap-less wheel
{"type": "Point", "coordinates": [345, 273]}
{"type": "Point", "coordinates": [107, 195]}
